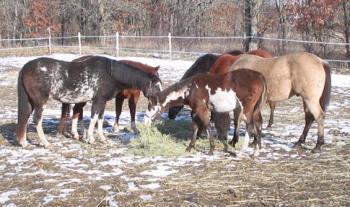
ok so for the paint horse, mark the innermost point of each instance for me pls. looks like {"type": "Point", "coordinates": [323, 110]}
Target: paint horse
{"type": "Point", "coordinates": [132, 94]}
{"type": "Point", "coordinates": [241, 91]}
{"type": "Point", "coordinates": [204, 64]}
{"type": "Point", "coordinates": [302, 74]}
{"type": "Point", "coordinates": [98, 79]}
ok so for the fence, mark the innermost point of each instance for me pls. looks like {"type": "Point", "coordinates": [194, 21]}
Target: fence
{"type": "Point", "coordinates": [172, 47]}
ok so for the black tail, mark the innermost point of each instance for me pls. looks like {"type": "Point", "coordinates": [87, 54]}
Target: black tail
{"type": "Point", "coordinates": [326, 94]}
{"type": "Point", "coordinates": [24, 104]}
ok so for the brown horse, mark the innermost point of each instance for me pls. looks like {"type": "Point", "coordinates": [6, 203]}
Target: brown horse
{"type": "Point", "coordinates": [302, 74]}
{"type": "Point", "coordinates": [242, 91]}
{"type": "Point", "coordinates": [222, 65]}
{"type": "Point", "coordinates": [132, 94]}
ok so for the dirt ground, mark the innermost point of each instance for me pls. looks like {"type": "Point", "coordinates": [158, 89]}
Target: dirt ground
{"type": "Point", "coordinates": [74, 173]}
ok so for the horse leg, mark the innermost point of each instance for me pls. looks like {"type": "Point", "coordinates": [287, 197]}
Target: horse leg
{"type": "Point", "coordinates": [222, 125]}
{"type": "Point", "coordinates": [100, 127]}
{"type": "Point", "coordinates": [202, 113]}
{"type": "Point", "coordinates": [38, 119]}
{"type": "Point", "coordinates": [97, 110]}
{"type": "Point", "coordinates": [238, 114]}
{"type": "Point", "coordinates": [132, 106]}
{"type": "Point", "coordinates": [24, 111]}
{"type": "Point", "coordinates": [65, 111]}
{"type": "Point", "coordinates": [119, 99]}
{"type": "Point", "coordinates": [309, 119]}
{"type": "Point", "coordinates": [195, 127]}
{"type": "Point", "coordinates": [77, 114]}
{"type": "Point", "coordinates": [272, 111]}
{"type": "Point", "coordinates": [318, 115]}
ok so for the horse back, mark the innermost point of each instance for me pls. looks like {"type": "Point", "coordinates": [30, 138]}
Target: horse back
{"type": "Point", "coordinates": [141, 66]}
{"type": "Point", "coordinates": [223, 63]}
{"type": "Point", "coordinates": [201, 65]}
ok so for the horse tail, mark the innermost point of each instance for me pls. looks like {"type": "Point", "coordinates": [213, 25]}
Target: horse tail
{"type": "Point", "coordinates": [24, 103]}
{"type": "Point", "coordinates": [25, 108]}
{"type": "Point", "coordinates": [326, 94]}
{"type": "Point", "coordinates": [263, 96]}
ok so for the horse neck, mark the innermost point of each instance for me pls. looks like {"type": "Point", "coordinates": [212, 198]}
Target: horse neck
{"type": "Point", "coordinates": [130, 75]}
{"type": "Point", "coordinates": [175, 95]}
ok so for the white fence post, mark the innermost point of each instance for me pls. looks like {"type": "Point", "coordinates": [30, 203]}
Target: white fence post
{"type": "Point", "coordinates": [79, 39]}
{"type": "Point", "coordinates": [170, 52]}
{"type": "Point", "coordinates": [117, 43]}
{"type": "Point", "coordinates": [50, 51]}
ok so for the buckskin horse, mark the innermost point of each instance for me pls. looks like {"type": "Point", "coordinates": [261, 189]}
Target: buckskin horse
{"type": "Point", "coordinates": [242, 91]}
{"type": "Point", "coordinates": [98, 79]}
{"type": "Point", "coordinates": [302, 74]}
{"type": "Point", "coordinates": [132, 94]}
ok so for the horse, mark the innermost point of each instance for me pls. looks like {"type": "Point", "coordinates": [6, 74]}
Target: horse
{"type": "Point", "coordinates": [205, 64]}
{"type": "Point", "coordinates": [302, 74]}
{"type": "Point", "coordinates": [242, 91]}
{"type": "Point", "coordinates": [97, 79]}
{"type": "Point", "coordinates": [132, 94]}
{"type": "Point", "coordinates": [222, 65]}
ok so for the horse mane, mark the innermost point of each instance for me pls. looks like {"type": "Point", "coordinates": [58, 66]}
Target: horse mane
{"type": "Point", "coordinates": [234, 52]}
{"type": "Point", "coordinates": [201, 65]}
{"type": "Point", "coordinates": [141, 66]}
{"type": "Point", "coordinates": [128, 74]}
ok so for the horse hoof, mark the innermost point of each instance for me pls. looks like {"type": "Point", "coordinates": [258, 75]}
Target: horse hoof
{"type": "Point", "coordinates": [76, 136]}
{"type": "Point", "coordinates": [188, 149]}
{"type": "Point", "coordinates": [115, 129]}
{"type": "Point", "coordinates": [23, 144]}
{"type": "Point", "coordinates": [269, 128]}
{"type": "Point", "coordinates": [316, 150]}
{"type": "Point", "coordinates": [91, 141]}
{"type": "Point", "coordinates": [136, 131]}
{"type": "Point", "coordinates": [104, 141]}
{"type": "Point", "coordinates": [297, 145]}
{"type": "Point", "coordinates": [211, 152]}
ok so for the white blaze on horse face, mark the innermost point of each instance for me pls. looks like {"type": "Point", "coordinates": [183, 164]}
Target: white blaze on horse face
{"type": "Point", "coordinates": [222, 100]}
{"type": "Point", "coordinates": [159, 85]}
{"type": "Point", "coordinates": [174, 95]}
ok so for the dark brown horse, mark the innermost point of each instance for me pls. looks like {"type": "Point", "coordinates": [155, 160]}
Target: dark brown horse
{"type": "Point", "coordinates": [97, 79]}
{"type": "Point", "coordinates": [302, 74]}
{"type": "Point", "coordinates": [241, 91]}
{"type": "Point", "coordinates": [132, 94]}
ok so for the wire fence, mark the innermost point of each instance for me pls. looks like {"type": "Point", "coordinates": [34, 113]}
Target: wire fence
{"type": "Point", "coordinates": [171, 47]}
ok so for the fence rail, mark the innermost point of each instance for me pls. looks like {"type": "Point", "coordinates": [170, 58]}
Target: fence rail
{"type": "Point", "coordinates": [172, 47]}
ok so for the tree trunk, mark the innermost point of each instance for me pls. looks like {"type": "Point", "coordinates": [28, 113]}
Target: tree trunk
{"type": "Point", "coordinates": [346, 29]}
{"type": "Point", "coordinates": [247, 24]}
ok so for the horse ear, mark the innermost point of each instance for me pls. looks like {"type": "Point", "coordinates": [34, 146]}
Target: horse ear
{"type": "Point", "coordinates": [157, 68]}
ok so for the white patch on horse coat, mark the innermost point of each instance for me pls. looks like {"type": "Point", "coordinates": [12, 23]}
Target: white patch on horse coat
{"type": "Point", "coordinates": [223, 100]}
{"type": "Point", "coordinates": [159, 85]}
{"type": "Point", "coordinates": [82, 93]}
{"type": "Point", "coordinates": [44, 69]}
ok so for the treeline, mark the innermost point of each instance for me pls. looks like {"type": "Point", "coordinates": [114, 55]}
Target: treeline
{"type": "Point", "coordinates": [312, 20]}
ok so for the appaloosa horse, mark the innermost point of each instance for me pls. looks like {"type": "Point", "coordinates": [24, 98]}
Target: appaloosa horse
{"type": "Point", "coordinates": [302, 74]}
{"type": "Point", "coordinates": [97, 79]}
{"type": "Point", "coordinates": [132, 94]}
{"type": "Point", "coordinates": [242, 91]}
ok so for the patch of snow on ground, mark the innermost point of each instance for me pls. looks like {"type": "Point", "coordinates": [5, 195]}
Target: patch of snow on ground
{"type": "Point", "coordinates": [5, 196]}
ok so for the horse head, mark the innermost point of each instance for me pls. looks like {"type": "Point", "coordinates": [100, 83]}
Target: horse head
{"type": "Point", "coordinates": [153, 109]}
{"type": "Point", "coordinates": [154, 87]}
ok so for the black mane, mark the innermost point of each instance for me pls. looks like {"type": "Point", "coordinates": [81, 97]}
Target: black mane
{"type": "Point", "coordinates": [202, 65]}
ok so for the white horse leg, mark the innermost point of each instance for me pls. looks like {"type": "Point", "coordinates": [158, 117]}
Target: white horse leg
{"type": "Point", "coordinates": [100, 131]}
{"type": "Point", "coordinates": [75, 128]}
{"type": "Point", "coordinates": [39, 128]}
{"type": "Point", "coordinates": [91, 138]}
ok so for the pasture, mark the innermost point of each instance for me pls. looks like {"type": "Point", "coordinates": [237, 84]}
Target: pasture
{"type": "Point", "coordinates": [154, 170]}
